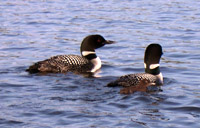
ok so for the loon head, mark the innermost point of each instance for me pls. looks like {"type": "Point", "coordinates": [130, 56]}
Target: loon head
{"type": "Point", "coordinates": [152, 57]}
{"type": "Point", "coordinates": [92, 42]}
{"type": "Point", "coordinates": [88, 46]}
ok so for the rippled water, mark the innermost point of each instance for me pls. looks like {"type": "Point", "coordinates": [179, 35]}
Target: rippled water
{"type": "Point", "coordinates": [33, 30]}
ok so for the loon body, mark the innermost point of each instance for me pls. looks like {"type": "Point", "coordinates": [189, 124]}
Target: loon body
{"type": "Point", "coordinates": [88, 62]}
{"type": "Point", "coordinates": [152, 73]}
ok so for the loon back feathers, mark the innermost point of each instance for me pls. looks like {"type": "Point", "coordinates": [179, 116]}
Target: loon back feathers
{"type": "Point", "coordinates": [62, 63]}
{"type": "Point", "coordinates": [133, 79]}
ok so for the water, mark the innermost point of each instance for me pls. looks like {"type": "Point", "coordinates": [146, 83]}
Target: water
{"type": "Point", "coordinates": [35, 30]}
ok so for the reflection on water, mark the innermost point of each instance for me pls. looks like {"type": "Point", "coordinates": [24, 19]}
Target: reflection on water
{"type": "Point", "coordinates": [35, 30]}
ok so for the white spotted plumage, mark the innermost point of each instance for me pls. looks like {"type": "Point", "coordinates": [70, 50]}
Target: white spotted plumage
{"type": "Point", "coordinates": [88, 62]}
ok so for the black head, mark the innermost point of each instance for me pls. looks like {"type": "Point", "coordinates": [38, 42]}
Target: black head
{"type": "Point", "coordinates": [92, 42]}
{"type": "Point", "coordinates": [152, 57]}
{"type": "Point", "coordinates": [153, 54]}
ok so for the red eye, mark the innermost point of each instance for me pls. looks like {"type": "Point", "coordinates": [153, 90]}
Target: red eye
{"type": "Point", "coordinates": [99, 40]}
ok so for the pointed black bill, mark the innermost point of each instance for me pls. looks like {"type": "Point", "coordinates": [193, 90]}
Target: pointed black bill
{"type": "Point", "coordinates": [109, 42]}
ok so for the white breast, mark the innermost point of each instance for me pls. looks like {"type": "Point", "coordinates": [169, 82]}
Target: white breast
{"type": "Point", "coordinates": [97, 64]}
{"type": "Point", "coordinates": [160, 77]}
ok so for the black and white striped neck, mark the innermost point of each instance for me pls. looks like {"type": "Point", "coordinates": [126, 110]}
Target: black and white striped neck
{"type": "Point", "coordinates": [153, 69]}
{"type": "Point", "coordinates": [89, 54]}
{"type": "Point", "coordinates": [92, 57]}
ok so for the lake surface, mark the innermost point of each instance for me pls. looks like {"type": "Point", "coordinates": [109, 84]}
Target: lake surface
{"type": "Point", "coordinates": [32, 30]}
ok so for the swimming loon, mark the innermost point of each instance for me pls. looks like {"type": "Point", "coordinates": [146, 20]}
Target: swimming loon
{"type": "Point", "coordinates": [152, 73]}
{"type": "Point", "coordinates": [88, 62]}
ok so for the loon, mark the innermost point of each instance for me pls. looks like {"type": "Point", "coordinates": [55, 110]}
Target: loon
{"type": "Point", "coordinates": [152, 73]}
{"type": "Point", "coordinates": [88, 62]}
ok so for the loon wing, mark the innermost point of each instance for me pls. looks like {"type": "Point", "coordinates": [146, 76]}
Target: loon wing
{"type": "Point", "coordinates": [61, 63]}
{"type": "Point", "coordinates": [132, 80]}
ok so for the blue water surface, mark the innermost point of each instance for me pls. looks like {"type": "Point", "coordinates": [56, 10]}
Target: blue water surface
{"type": "Point", "coordinates": [34, 30]}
